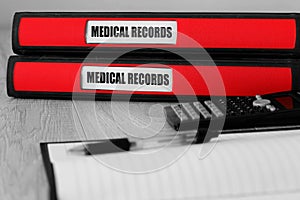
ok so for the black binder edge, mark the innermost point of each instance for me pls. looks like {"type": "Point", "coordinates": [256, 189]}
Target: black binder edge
{"type": "Point", "coordinates": [9, 76]}
{"type": "Point", "coordinates": [39, 50]}
{"type": "Point", "coordinates": [49, 171]}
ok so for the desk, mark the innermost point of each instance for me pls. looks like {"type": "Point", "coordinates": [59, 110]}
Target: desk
{"type": "Point", "coordinates": [24, 123]}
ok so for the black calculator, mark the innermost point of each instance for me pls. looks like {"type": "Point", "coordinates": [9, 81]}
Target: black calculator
{"type": "Point", "coordinates": [248, 113]}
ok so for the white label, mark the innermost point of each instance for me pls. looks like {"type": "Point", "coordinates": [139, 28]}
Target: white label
{"type": "Point", "coordinates": [126, 78]}
{"type": "Point", "coordinates": [131, 32]}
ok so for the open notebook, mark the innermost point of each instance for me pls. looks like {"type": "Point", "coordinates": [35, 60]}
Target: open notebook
{"type": "Point", "coordinates": [239, 166]}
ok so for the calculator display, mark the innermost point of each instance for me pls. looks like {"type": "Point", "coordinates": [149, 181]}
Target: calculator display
{"type": "Point", "coordinates": [288, 102]}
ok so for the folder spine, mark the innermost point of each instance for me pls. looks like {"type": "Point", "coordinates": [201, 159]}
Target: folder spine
{"type": "Point", "coordinates": [261, 71]}
{"type": "Point", "coordinates": [286, 43]}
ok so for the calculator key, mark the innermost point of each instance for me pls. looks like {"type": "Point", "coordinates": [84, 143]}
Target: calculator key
{"type": "Point", "coordinates": [251, 111]}
{"type": "Point", "coordinates": [222, 104]}
{"type": "Point", "coordinates": [258, 97]}
{"type": "Point", "coordinates": [261, 102]}
{"type": "Point", "coordinates": [241, 112]}
{"type": "Point", "coordinates": [214, 109]}
{"type": "Point", "coordinates": [179, 113]}
{"type": "Point", "coordinates": [190, 110]}
{"type": "Point", "coordinates": [201, 109]}
{"type": "Point", "coordinates": [271, 108]}
{"type": "Point", "coordinates": [231, 113]}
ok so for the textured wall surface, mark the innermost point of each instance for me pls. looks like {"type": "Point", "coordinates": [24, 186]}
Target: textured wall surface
{"type": "Point", "coordinates": [8, 7]}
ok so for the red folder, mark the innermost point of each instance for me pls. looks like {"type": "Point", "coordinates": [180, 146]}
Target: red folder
{"type": "Point", "coordinates": [34, 77]}
{"type": "Point", "coordinates": [219, 33]}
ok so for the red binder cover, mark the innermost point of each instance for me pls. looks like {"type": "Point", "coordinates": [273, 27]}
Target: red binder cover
{"type": "Point", "coordinates": [33, 77]}
{"type": "Point", "coordinates": [220, 33]}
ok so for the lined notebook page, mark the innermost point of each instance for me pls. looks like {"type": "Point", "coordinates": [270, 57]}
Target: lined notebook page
{"type": "Point", "coordinates": [239, 166]}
